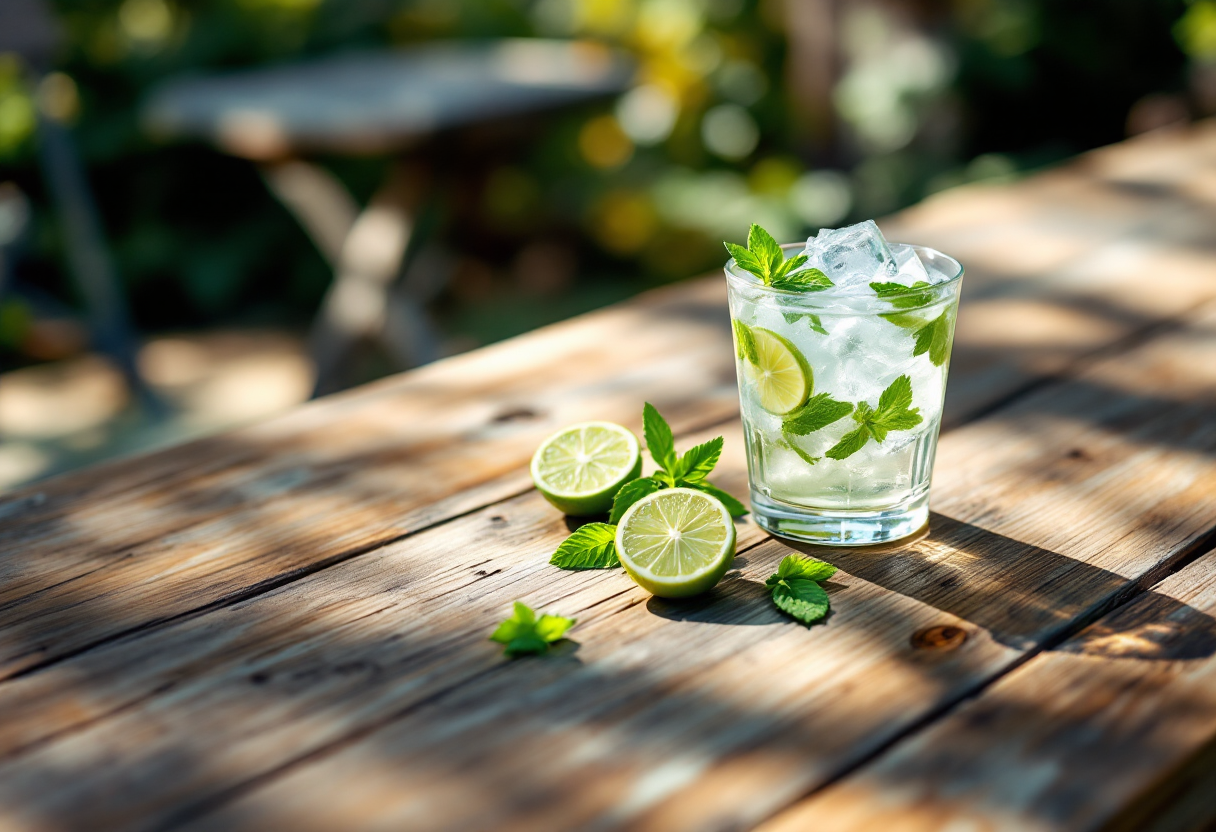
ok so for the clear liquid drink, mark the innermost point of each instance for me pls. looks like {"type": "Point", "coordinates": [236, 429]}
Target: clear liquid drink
{"type": "Point", "coordinates": [847, 457]}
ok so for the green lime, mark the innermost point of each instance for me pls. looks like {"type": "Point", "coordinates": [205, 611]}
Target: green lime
{"type": "Point", "coordinates": [676, 542]}
{"type": "Point", "coordinates": [580, 469]}
{"type": "Point", "coordinates": [781, 376]}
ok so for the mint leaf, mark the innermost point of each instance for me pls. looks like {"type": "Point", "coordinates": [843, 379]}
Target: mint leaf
{"type": "Point", "coordinates": [790, 265]}
{"type": "Point", "coordinates": [630, 493]}
{"type": "Point", "coordinates": [798, 566]}
{"type": "Point", "coordinates": [796, 448]}
{"type": "Point", "coordinates": [745, 342]}
{"type": "Point", "coordinates": [658, 437]}
{"type": "Point", "coordinates": [696, 464]}
{"type": "Point", "coordinates": [894, 412]}
{"type": "Point", "coordinates": [733, 506]}
{"type": "Point", "coordinates": [766, 250]}
{"type": "Point", "coordinates": [807, 280]}
{"type": "Point", "coordinates": [819, 412]}
{"type": "Point", "coordinates": [553, 627]}
{"type": "Point", "coordinates": [523, 633]}
{"type": "Point", "coordinates": [903, 297]}
{"type": "Point", "coordinates": [849, 444]}
{"type": "Point", "coordinates": [592, 546]}
{"type": "Point", "coordinates": [747, 261]}
{"type": "Point", "coordinates": [934, 338]}
{"type": "Point", "coordinates": [803, 600]}
{"type": "Point", "coordinates": [815, 324]}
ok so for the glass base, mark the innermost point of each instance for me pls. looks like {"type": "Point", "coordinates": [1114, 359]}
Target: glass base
{"type": "Point", "coordinates": [841, 527]}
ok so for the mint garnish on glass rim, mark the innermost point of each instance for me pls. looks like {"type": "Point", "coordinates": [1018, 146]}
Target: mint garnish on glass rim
{"type": "Point", "coordinates": [764, 258]}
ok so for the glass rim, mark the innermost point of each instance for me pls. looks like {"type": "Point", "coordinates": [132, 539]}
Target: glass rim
{"type": "Point", "coordinates": [749, 280]}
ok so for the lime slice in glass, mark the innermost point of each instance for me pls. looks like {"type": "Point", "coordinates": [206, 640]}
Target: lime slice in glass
{"type": "Point", "coordinates": [781, 376]}
{"type": "Point", "coordinates": [676, 542]}
{"type": "Point", "coordinates": [581, 468]}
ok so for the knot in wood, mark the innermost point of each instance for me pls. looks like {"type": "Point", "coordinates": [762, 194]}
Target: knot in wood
{"type": "Point", "coordinates": [941, 637]}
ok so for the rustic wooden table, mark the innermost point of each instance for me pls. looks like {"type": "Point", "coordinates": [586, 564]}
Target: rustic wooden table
{"type": "Point", "coordinates": [285, 627]}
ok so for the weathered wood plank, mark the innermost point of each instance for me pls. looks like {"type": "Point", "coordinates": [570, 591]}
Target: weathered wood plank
{"type": "Point", "coordinates": [144, 540]}
{"type": "Point", "coordinates": [386, 650]}
{"type": "Point", "coordinates": [1114, 729]}
{"type": "Point", "coordinates": [131, 544]}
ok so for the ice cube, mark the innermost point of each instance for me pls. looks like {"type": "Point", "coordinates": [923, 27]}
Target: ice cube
{"type": "Point", "coordinates": [908, 267]}
{"type": "Point", "coordinates": [852, 257]}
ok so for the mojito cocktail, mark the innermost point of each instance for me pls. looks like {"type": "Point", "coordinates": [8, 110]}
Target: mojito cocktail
{"type": "Point", "coordinates": [842, 362]}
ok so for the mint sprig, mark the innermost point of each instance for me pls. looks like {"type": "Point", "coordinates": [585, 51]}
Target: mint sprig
{"type": "Point", "coordinates": [764, 258]}
{"type": "Point", "coordinates": [894, 412]}
{"type": "Point", "coordinates": [525, 633]}
{"type": "Point", "coordinates": [593, 546]}
{"type": "Point", "coordinates": [813, 321]}
{"type": "Point", "coordinates": [796, 589]}
{"type": "Point", "coordinates": [904, 297]}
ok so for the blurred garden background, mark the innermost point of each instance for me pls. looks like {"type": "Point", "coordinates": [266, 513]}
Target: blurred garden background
{"type": "Point", "coordinates": [796, 114]}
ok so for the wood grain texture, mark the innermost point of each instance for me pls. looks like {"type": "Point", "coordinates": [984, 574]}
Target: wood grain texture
{"type": "Point", "coordinates": [1114, 729]}
{"type": "Point", "coordinates": [367, 694]}
{"type": "Point", "coordinates": [117, 547]}
{"type": "Point", "coordinates": [135, 543]}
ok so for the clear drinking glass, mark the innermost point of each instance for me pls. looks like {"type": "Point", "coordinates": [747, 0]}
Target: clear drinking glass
{"type": "Point", "coordinates": [813, 485]}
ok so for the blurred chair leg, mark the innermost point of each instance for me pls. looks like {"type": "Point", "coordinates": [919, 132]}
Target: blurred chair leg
{"type": "Point", "coordinates": [88, 257]}
{"type": "Point", "coordinates": [318, 200]}
{"type": "Point", "coordinates": [356, 307]}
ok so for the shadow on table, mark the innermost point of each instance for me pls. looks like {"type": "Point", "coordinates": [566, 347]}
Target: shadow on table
{"type": "Point", "coordinates": [1028, 596]}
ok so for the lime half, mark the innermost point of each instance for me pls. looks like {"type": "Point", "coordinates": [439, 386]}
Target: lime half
{"type": "Point", "coordinates": [781, 376]}
{"type": "Point", "coordinates": [676, 542]}
{"type": "Point", "coordinates": [581, 468]}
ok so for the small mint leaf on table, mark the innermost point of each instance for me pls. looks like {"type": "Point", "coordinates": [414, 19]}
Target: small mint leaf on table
{"type": "Point", "coordinates": [733, 507]}
{"type": "Point", "coordinates": [658, 436]}
{"type": "Point", "coordinates": [695, 465]}
{"type": "Point", "coordinates": [803, 600]}
{"type": "Point", "coordinates": [524, 633]}
{"type": "Point", "coordinates": [818, 412]}
{"type": "Point", "coordinates": [798, 566]}
{"type": "Point", "coordinates": [630, 493]}
{"type": "Point", "coordinates": [745, 342]}
{"type": "Point", "coordinates": [796, 590]}
{"type": "Point", "coordinates": [592, 546]}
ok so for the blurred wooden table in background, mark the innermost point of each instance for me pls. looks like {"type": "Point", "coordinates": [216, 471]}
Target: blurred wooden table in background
{"type": "Point", "coordinates": [285, 627]}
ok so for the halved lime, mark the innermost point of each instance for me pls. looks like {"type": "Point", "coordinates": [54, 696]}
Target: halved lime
{"type": "Point", "coordinates": [580, 469]}
{"type": "Point", "coordinates": [676, 542]}
{"type": "Point", "coordinates": [781, 376]}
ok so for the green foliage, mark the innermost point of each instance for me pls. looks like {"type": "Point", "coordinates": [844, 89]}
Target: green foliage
{"type": "Point", "coordinates": [524, 633]}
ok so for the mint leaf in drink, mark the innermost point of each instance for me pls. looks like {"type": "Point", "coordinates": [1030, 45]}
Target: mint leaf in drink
{"type": "Point", "coordinates": [766, 250]}
{"type": "Point", "coordinates": [745, 342]}
{"type": "Point", "coordinates": [904, 297]}
{"type": "Point", "coordinates": [695, 465]}
{"type": "Point", "coordinates": [819, 412]}
{"type": "Point", "coordinates": [894, 412]}
{"type": "Point", "coordinates": [524, 633]}
{"type": "Point", "coordinates": [798, 566]}
{"type": "Point", "coordinates": [792, 444]}
{"type": "Point", "coordinates": [807, 280]}
{"type": "Point", "coordinates": [658, 437]}
{"type": "Point", "coordinates": [733, 506]}
{"type": "Point", "coordinates": [802, 600]}
{"type": "Point", "coordinates": [630, 493]}
{"type": "Point", "coordinates": [849, 444]}
{"type": "Point", "coordinates": [934, 338]}
{"type": "Point", "coordinates": [592, 546]}
{"type": "Point", "coordinates": [814, 322]}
